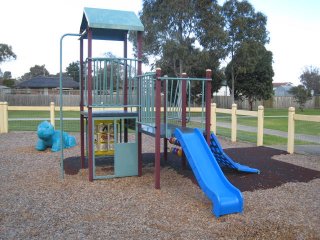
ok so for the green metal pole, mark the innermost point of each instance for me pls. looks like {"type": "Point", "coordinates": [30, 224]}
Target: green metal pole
{"type": "Point", "coordinates": [61, 100]}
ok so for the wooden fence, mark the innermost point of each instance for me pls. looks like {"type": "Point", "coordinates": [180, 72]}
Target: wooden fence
{"type": "Point", "coordinates": [234, 112]}
{"type": "Point", "coordinates": [292, 117]}
{"type": "Point", "coordinates": [221, 101]}
{"type": "Point", "coordinates": [274, 102]}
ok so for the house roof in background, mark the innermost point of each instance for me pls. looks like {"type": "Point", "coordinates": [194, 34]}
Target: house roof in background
{"type": "Point", "coordinates": [107, 24]}
{"type": "Point", "coordinates": [48, 82]}
{"type": "Point", "coordinates": [278, 84]}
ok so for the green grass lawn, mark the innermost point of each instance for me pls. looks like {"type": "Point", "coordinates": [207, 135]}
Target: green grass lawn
{"type": "Point", "coordinates": [252, 137]}
{"type": "Point", "coordinates": [20, 125]}
{"type": "Point", "coordinates": [277, 119]}
{"type": "Point", "coordinates": [274, 119]}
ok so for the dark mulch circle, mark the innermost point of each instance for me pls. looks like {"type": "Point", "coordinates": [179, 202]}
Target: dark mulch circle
{"type": "Point", "coordinates": [273, 173]}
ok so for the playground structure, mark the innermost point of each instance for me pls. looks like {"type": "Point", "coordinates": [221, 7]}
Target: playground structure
{"type": "Point", "coordinates": [122, 104]}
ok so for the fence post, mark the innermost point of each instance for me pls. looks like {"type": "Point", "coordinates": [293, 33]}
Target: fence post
{"type": "Point", "coordinates": [214, 118]}
{"type": "Point", "coordinates": [290, 147]}
{"type": "Point", "coordinates": [52, 113]}
{"type": "Point", "coordinates": [5, 119]}
{"type": "Point", "coordinates": [234, 123]}
{"type": "Point", "coordinates": [260, 126]}
{"type": "Point", "coordinates": [1, 117]}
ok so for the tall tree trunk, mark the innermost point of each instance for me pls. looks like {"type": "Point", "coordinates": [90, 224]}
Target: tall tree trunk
{"type": "Point", "coordinates": [250, 104]}
{"type": "Point", "coordinates": [232, 77]}
{"type": "Point", "coordinates": [180, 67]}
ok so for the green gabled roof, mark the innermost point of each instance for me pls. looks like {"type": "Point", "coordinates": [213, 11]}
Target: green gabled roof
{"type": "Point", "coordinates": [109, 24]}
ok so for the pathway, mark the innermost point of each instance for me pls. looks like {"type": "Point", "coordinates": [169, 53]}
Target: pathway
{"type": "Point", "coordinates": [302, 137]}
{"type": "Point", "coordinates": [303, 149]}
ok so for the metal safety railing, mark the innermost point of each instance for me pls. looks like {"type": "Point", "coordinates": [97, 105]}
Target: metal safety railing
{"type": "Point", "coordinates": [171, 97]}
{"type": "Point", "coordinates": [114, 82]}
{"type": "Point", "coordinates": [147, 98]}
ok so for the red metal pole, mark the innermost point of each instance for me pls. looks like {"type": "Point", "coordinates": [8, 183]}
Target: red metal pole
{"type": "Point", "coordinates": [158, 128]}
{"type": "Point", "coordinates": [81, 104]}
{"type": "Point", "coordinates": [184, 113]}
{"type": "Point", "coordinates": [208, 104]}
{"type": "Point", "coordinates": [125, 55]}
{"type": "Point", "coordinates": [165, 140]}
{"type": "Point", "coordinates": [184, 101]}
{"type": "Point", "coordinates": [90, 121]}
{"type": "Point", "coordinates": [139, 46]}
{"type": "Point", "coordinates": [125, 93]}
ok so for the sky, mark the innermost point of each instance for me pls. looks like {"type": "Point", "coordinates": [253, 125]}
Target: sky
{"type": "Point", "coordinates": [33, 28]}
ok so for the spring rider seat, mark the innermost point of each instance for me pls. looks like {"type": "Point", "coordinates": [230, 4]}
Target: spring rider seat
{"type": "Point", "coordinates": [50, 138]}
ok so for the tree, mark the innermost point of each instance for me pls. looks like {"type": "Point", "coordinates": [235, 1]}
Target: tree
{"type": "Point", "coordinates": [171, 32]}
{"type": "Point", "coordinates": [252, 71]}
{"type": "Point", "coordinates": [310, 78]}
{"type": "Point", "coordinates": [9, 82]}
{"type": "Point", "coordinates": [301, 95]}
{"type": "Point", "coordinates": [168, 28]}
{"type": "Point", "coordinates": [7, 75]}
{"type": "Point", "coordinates": [73, 70]}
{"type": "Point", "coordinates": [6, 53]}
{"type": "Point", "coordinates": [7, 79]}
{"type": "Point", "coordinates": [36, 70]}
{"type": "Point", "coordinates": [242, 24]}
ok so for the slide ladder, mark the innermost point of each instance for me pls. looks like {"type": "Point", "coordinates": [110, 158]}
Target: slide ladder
{"type": "Point", "coordinates": [224, 160]}
{"type": "Point", "coordinates": [225, 197]}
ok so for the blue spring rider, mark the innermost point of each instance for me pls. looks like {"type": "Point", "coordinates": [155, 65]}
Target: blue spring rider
{"type": "Point", "coordinates": [50, 138]}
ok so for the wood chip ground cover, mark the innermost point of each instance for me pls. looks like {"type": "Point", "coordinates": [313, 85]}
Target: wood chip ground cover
{"type": "Point", "coordinates": [36, 204]}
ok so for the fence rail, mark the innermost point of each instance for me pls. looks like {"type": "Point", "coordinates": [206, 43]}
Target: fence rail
{"type": "Point", "coordinates": [72, 98]}
{"type": "Point", "coordinates": [234, 112]}
{"type": "Point", "coordinates": [292, 117]}
{"type": "Point", "coordinates": [40, 113]}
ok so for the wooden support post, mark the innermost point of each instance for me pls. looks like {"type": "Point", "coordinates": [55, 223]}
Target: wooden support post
{"type": "Point", "coordinates": [158, 129]}
{"type": "Point", "coordinates": [4, 128]}
{"type": "Point", "coordinates": [1, 117]}
{"type": "Point", "coordinates": [213, 118]}
{"type": "Point", "coordinates": [260, 126]}
{"type": "Point", "coordinates": [208, 104]}
{"type": "Point", "coordinates": [52, 114]}
{"type": "Point", "coordinates": [234, 123]}
{"type": "Point", "coordinates": [290, 147]}
{"type": "Point", "coordinates": [5, 117]}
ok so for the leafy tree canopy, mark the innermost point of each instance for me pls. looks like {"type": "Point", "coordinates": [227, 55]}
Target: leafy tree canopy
{"type": "Point", "coordinates": [301, 95]}
{"type": "Point", "coordinates": [73, 70]}
{"type": "Point", "coordinates": [7, 75]}
{"type": "Point", "coordinates": [310, 78]}
{"type": "Point", "coordinates": [6, 53]}
{"type": "Point", "coordinates": [9, 83]}
{"type": "Point", "coordinates": [189, 35]}
{"type": "Point", "coordinates": [252, 72]}
{"type": "Point", "coordinates": [173, 30]}
{"type": "Point", "coordinates": [36, 70]}
{"type": "Point", "coordinates": [242, 24]}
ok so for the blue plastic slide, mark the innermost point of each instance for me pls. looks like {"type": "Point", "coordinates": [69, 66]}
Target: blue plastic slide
{"type": "Point", "coordinates": [225, 197]}
{"type": "Point", "coordinates": [224, 160]}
